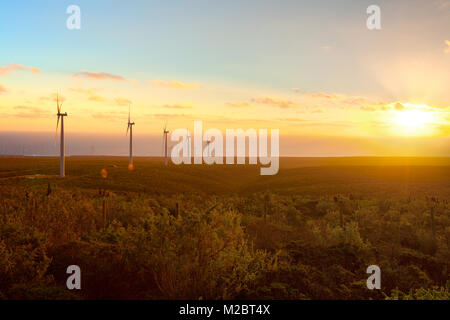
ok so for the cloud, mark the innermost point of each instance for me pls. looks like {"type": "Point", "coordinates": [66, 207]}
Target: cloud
{"type": "Point", "coordinates": [296, 90]}
{"type": "Point", "coordinates": [239, 104]}
{"type": "Point", "coordinates": [290, 119]}
{"type": "Point", "coordinates": [96, 98]}
{"type": "Point", "coordinates": [321, 95]}
{"type": "Point", "coordinates": [309, 123]}
{"type": "Point", "coordinates": [378, 107]}
{"type": "Point", "coordinates": [368, 108]}
{"type": "Point", "coordinates": [356, 101]}
{"type": "Point", "coordinates": [98, 76]}
{"type": "Point", "coordinates": [176, 106]}
{"type": "Point", "coordinates": [280, 103]}
{"type": "Point", "coordinates": [175, 84]}
{"type": "Point", "coordinates": [110, 116]}
{"type": "Point", "coordinates": [120, 101]}
{"type": "Point", "coordinates": [31, 109]}
{"type": "Point", "coordinates": [447, 50]}
{"type": "Point", "coordinates": [2, 89]}
{"type": "Point", "coordinates": [17, 67]}
{"type": "Point", "coordinates": [165, 116]}
{"type": "Point", "coordinates": [343, 101]}
{"type": "Point", "coordinates": [60, 97]}
{"type": "Point", "coordinates": [92, 95]}
{"type": "Point", "coordinates": [30, 112]}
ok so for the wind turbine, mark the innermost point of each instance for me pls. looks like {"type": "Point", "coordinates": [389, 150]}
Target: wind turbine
{"type": "Point", "coordinates": [130, 128]}
{"type": "Point", "coordinates": [62, 155]}
{"type": "Point", "coordinates": [165, 133]}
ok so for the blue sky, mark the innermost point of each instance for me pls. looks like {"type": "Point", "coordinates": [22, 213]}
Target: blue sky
{"type": "Point", "coordinates": [262, 43]}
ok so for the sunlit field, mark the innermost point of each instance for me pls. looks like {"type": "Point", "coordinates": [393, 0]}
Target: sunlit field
{"type": "Point", "coordinates": [225, 232]}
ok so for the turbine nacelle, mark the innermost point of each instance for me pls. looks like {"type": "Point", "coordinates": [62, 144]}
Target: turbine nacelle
{"type": "Point", "coordinates": [130, 124]}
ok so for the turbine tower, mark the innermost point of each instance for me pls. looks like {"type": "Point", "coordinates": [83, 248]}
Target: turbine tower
{"type": "Point", "coordinates": [62, 150]}
{"type": "Point", "coordinates": [130, 128]}
{"type": "Point", "coordinates": [165, 134]}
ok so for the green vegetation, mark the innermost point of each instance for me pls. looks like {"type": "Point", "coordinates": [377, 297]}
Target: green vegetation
{"type": "Point", "coordinates": [225, 232]}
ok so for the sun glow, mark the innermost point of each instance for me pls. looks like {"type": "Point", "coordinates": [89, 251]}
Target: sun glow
{"type": "Point", "coordinates": [414, 120]}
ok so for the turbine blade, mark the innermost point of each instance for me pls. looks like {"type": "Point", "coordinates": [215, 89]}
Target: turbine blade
{"type": "Point", "coordinates": [129, 113]}
{"type": "Point", "coordinates": [58, 106]}
{"type": "Point", "coordinates": [128, 127]}
{"type": "Point", "coordinates": [56, 132]}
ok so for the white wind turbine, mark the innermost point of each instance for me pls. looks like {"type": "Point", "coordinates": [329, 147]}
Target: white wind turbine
{"type": "Point", "coordinates": [165, 134]}
{"type": "Point", "coordinates": [130, 128]}
{"type": "Point", "coordinates": [62, 154]}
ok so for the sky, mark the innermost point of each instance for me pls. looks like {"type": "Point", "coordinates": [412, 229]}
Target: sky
{"type": "Point", "coordinates": [311, 69]}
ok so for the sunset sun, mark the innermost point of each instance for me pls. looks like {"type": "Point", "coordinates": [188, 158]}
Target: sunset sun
{"type": "Point", "coordinates": [414, 121]}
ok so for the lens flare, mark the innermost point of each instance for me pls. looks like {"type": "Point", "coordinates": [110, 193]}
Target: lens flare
{"type": "Point", "coordinates": [104, 173]}
{"type": "Point", "coordinates": [131, 167]}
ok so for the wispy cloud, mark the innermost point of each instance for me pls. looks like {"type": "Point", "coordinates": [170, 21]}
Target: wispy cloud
{"type": "Point", "coordinates": [120, 101]}
{"type": "Point", "coordinates": [98, 76]}
{"type": "Point", "coordinates": [397, 106]}
{"type": "Point", "coordinates": [239, 104]}
{"type": "Point", "coordinates": [166, 116]}
{"type": "Point", "coordinates": [30, 112]}
{"type": "Point", "coordinates": [17, 67]}
{"type": "Point", "coordinates": [176, 106]}
{"type": "Point", "coordinates": [342, 100]}
{"type": "Point", "coordinates": [96, 98]}
{"type": "Point", "coordinates": [368, 108]}
{"type": "Point", "coordinates": [2, 89]}
{"type": "Point", "coordinates": [280, 103]}
{"type": "Point", "coordinates": [175, 84]}
{"type": "Point", "coordinates": [55, 96]}
{"type": "Point", "coordinates": [91, 94]}
{"type": "Point", "coordinates": [320, 95]}
{"type": "Point", "coordinates": [110, 116]}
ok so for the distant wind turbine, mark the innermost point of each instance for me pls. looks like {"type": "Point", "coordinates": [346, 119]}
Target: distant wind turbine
{"type": "Point", "coordinates": [130, 128]}
{"type": "Point", "coordinates": [165, 134]}
{"type": "Point", "coordinates": [62, 155]}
